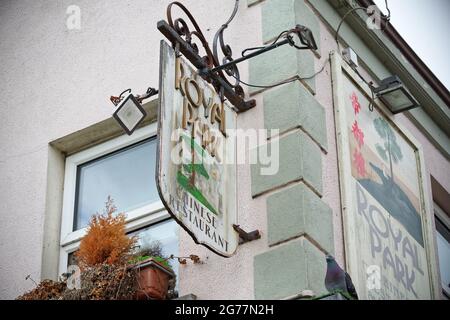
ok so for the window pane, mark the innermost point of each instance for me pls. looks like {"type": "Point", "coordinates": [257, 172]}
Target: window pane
{"type": "Point", "coordinates": [443, 245]}
{"type": "Point", "coordinates": [166, 233]}
{"type": "Point", "coordinates": [72, 259]}
{"type": "Point", "coordinates": [127, 175]}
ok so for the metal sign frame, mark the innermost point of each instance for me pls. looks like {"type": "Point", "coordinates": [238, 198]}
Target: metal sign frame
{"type": "Point", "coordinates": [164, 104]}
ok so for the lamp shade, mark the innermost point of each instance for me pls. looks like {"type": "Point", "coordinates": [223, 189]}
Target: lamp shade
{"type": "Point", "coordinates": [129, 114]}
{"type": "Point", "coordinates": [395, 96]}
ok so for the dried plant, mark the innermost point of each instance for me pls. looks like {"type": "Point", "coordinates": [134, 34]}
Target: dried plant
{"type": "Point", "coordinates": [106, 240]}
{"type": "Point", "coordinates": [105, 282]}
{"type": "Point", "coordinates": [45, 290]}
{"type": "Point", "coordinates": [182, 260]}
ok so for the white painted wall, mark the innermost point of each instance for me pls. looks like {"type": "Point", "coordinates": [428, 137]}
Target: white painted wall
{"type": "Point", "coordinates": [56, 81]}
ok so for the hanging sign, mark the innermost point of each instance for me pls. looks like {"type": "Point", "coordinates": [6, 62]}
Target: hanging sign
{"type": "Point", "coordinates": [196, 171]}
{"type": "Point", "coordinates": [386, 230]}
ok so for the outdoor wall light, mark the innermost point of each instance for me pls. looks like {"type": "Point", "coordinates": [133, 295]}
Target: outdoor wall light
{"type": "Point", "coordinates": [129, 113]}
{"type": "Point", "coordinates": [394, 95]}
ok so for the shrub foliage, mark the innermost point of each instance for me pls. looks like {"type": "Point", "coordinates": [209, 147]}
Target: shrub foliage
{"type": "Point", "coordinates": [106, 240]}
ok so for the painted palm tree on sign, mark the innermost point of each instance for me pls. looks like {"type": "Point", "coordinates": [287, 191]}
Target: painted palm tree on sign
{"type": "Point", "coordinates": [392, 195]}
{"type": "Point", "coordinates": [193, 168]}
{"type": "Point", "coordinates": [389, 150]}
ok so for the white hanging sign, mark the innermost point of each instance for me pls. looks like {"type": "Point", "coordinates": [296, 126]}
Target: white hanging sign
{"type": "Point", "coordinates": [196, 171]}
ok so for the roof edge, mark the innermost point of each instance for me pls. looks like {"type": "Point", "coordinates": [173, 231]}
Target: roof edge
{"type": "Point", "coordinates": [412, 57]}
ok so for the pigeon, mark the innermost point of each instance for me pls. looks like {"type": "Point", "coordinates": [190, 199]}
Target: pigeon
{"type": "Point", "coordinates": [337, 280]}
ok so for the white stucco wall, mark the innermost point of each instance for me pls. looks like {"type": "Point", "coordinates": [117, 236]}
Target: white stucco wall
{"type": "Point", "coordinates": [57, 81]}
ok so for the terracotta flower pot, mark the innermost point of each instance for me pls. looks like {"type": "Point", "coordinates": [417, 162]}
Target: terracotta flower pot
{"type": "Point", "coordinates": [153, 280]}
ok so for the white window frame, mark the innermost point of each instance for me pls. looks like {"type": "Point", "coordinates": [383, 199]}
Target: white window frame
{"type": "Point", "coordinates": [445, 219]}
{"type": "Point", "coordinates": [439, 212]}
{"type": "Point", "coordinates": [135, 219]}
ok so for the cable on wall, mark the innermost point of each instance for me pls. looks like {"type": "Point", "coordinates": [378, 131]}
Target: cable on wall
{"type": "Point", "coordinates": [336, 38]}
{"type": "Point", "coordinates": [295, 78]}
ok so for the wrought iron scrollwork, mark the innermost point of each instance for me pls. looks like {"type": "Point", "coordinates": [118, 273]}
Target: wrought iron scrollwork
{"type": "Point", "coordinates": [232, 70]}
{"type": "Point", "coordinates": [182, 28]}
{"type": "Point", "coordinates": [211, 58]}
{"type": "Point", "coordinates": [218, 70]}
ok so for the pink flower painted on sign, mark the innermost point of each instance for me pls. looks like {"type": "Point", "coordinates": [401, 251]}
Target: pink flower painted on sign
{"type": "Point", "coordinates": [359, 162]}
{"type": "Point", "coordinates": [355, 103]}
{"type": "Point", "coordinates": [357, 133]}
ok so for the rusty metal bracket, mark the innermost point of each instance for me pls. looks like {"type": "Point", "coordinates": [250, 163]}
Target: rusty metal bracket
{"type": "Point", "coordinates": [178, 33]}
{"type": "Point", "coordinates": [246, 236]}
{"type": "Point", "coordinates": [139, 97]}
{"type": "Point", "coordinates": [222, 72]}
{"type": "Point", "coordinates": [218, 82]}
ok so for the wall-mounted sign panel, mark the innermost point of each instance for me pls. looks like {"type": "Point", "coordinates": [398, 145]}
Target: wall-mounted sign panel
{"type": "Point", "coordinates": [387, 230]}
{"type": "Point", "coordinates": [196, 171]}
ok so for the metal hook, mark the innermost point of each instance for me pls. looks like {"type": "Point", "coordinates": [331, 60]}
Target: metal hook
{"type": "Point", "coordinates": [246, 236]}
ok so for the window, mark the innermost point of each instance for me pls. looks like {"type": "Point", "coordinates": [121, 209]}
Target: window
{"type": "Point", "coordinates": [443, 244]}
{"type": "Point", "coordinates": [123, 168]}
{"type": "Point", "coordinates": [166, 233]}
{"type": "Point", "coordinates": [126, 175]}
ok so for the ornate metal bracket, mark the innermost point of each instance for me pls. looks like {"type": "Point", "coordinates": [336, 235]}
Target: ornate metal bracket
{"type": "Point", "coordinates": [209, 66]}
{"type": "Point", "coordinates": [246, 236]}
{"type": "Point", "coordinates": [181, 37]}
{"type": "Point", "coordinates": [139, 97]}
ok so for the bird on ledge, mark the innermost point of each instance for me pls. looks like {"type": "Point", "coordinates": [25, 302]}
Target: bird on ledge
{"type": "Point", "coordinates": [337, 280]}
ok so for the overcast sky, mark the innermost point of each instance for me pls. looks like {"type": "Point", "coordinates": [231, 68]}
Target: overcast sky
{"type": "Point", "coordinates": [425, 25]}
